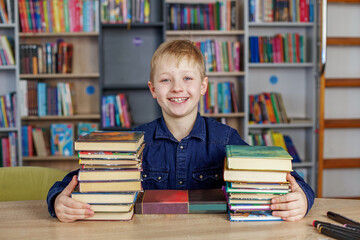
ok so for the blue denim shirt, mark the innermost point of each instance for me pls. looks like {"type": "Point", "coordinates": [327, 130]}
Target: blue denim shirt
{"type": "Point", "coordinates": [195, 162]}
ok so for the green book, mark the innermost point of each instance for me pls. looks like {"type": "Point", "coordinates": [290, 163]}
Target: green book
{"type": "Point", "coordinates": [264, 158]}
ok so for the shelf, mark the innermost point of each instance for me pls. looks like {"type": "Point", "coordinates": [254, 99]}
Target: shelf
{"type": "Point", "coordinates": [282, 24]}
{"type": "Point", "coordinates": [132, 25]}
{"type": "Point", "coordinates": [303, 165]}
{"type": "Point", "coordinates": [342, 123]}
{"type": "Point", "coordinates": [224, 74]}
{"type": "Point", "coordinates": [281, 125]}
{"type": "Point", "coordinates": [204, 33]}
{"type": "Point", "coordinates": [61, 34]}
{"type": "Point", "coordinates": [62, 118]}
{"type": "Point", "coordinates": [59, 75]}
{"type": "Point", "coordinates": [50, 158]}
{"type": "Point", "coordinates": [343, 41]}
{"type": "Point", "coordinates": [7, 25]}
{"type": "Point", "coordinates": [341, 162]}
{"type": "Point", "coordinates": [7, 67]}
{"type": "Point", "coordinates": [343, 1]}
{"type": "Point", "coordinates": [342, 82]}
{"type": "Point", "coordinates": [226, 115]}
{"type": "Point", "coordinates": [281, 65]}
{"type": "Point", "coordinates": [126, 87]}
{"type": "Point", "coordinates": [10, 129]}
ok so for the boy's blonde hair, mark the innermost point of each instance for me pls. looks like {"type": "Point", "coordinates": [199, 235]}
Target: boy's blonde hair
{"type": "Point", "coordinates": [179, 49]}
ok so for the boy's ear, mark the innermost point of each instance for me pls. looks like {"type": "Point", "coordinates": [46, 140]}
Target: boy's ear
{"type": "Point", "coordinates": [204, 85]}
{"type": "Point", "coordinates": [152, 89]}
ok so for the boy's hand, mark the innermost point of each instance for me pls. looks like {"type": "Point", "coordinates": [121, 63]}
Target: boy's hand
{"type": "Point", "coordinates": [292, 206]}
{"type": "Point", "coordinates": [68, 209]}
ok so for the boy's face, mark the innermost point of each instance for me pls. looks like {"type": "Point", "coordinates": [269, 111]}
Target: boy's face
{"type": "Point", "coordinates": [177, 87]}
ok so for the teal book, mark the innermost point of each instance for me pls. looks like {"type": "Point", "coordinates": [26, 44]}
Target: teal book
{"type": "Point", "coordinates": [263, 158]}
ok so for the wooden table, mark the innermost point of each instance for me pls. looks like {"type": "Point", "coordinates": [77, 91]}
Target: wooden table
{"type": "Point", "coordinates": [31, 220]}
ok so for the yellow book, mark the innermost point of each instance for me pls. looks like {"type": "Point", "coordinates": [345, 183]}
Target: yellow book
{"type": "Point", "coordinates": [4, 113]}
{"type": "Point", "coordinates": [56, 16]}
{"type": "Point", "coordinates": [278, 140]}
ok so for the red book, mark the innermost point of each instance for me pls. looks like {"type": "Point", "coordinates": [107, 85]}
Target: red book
{"type": "Point", "coordinates": [180, 201]}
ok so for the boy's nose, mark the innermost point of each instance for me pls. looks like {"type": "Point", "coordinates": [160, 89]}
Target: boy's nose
{"type": "Point", "coordinates": [177, 86]}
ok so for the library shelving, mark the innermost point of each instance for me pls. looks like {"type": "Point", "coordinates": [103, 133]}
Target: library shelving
{"type": "Point", "coordinates": [210, 36]}
{"type": "Point", "coordinates": [126, 47]}
{"type": "Point", "coordinates": [296, 81]}
{"type": "Point", "coordinates": [82, 79]}
{"type": "Point", "coordinates": [9, 133]}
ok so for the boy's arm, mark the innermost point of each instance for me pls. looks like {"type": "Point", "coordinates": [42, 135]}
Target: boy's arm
{"type": "Point", "coordinates": [56, 189]}
{"type": "Point", "coordinates": [310, 195]}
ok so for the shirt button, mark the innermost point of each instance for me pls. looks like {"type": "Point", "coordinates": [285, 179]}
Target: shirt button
{"type": "Point", "coordinates": [181, 147]}
{"type": "Point", "coordinates": [144, 175]}
{"type": "Point", "coordinates": [180, 182]}
{"type": "Point", "coordinates": [216, 175]}
{"type": "Point", "coordinates": [201, 176]}
{"type": "Point", "coordinates": [159, 177]}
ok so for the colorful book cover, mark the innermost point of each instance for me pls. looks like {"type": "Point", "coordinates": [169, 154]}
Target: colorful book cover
{"type": "Point", "coordinates": [244, 151]}
{"type": "Point", "coordinates": [181, 201]}
{"type": "Point", "coordinates": [62, 139]}
{"type": "Point", "coordinates": [86, 128]}
{"type": "Point", "coordinates": [252, 216]}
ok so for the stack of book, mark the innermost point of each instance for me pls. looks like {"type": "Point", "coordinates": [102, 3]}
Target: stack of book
{"type": "Point", "coordinates": [110, 173]}
{"type": "Point", "coordinates": [254, 175]}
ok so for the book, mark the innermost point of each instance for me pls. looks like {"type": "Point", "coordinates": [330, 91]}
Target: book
{"type": "Point", "coordinates": [258, 158]}
{"type": "Point", "coordinates": [123, 216]}
{"type": "Point", "coordinates": [251, 196]}
{"type": "Point", "coordinates": [62, 136]}
{"type": "Point", "coordinates": [104, 162]}
{"type": "Point", "coordinates": [181, 201]}
{"type": "Point", "coordinates": [232, 175]}
{"type": "Point", "coordinates": [249, 207]}
{"type": "Point", "coordinates": [253, 216]}
{"type": "Point", "coordinates": [110, 141]}
{"type": "Point", "coordinates": [86, 128]}
{"type": "Point", "coordinates": [109, 174]}
{"type": "Point", "coordinates": [120, 197]}
{"type": "Point", "coordinates": [112, 155]}
{"type": "Point", "coordinates": [259, 185]}
{"type": "Point", "coordinates": [110, 166]}
{"type": "Point", "coordinates": [110, 186]}
{"type": "Point", "coordinates": [112, 207]}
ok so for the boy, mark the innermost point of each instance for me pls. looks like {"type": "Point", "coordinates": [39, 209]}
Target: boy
{"type": "Point", "coordinates": [183, 150]}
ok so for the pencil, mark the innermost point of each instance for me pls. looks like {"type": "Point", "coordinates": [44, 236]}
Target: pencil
{"type": "Point", "coordinates": [319, 224]}
{"type": "Point", "coordinates": [352, 226]}
{"type": "Point", "coordinates": [337, 234]}
{"type": "Point", "coordinates": [341, 219]}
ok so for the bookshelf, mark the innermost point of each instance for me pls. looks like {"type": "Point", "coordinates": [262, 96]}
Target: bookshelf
{"type": "Point", "coordinates": [125, 51]}
{"type": "Point", "coordinates": [295, 81]}
{"type": "Point", "coordinates": [8, 75]}
{"type": "Point", "coordinates": [339, 120]}
{"type": "Point", "coordinates": [231, 33]}
{"type": "Point", "coordinates": [83, 79]}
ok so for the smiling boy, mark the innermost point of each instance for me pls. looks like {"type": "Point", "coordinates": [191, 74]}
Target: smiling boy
{"type": "Point", "coordinates": [183, 149]}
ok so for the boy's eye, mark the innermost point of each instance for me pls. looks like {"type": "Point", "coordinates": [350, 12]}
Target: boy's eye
{"type": "Point", "coordinates": [187, 78]}
{"type": "Point", "coordinates": [164, 80]}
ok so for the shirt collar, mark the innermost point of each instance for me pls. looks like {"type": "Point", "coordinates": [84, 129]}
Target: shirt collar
{"type": "Point", "coordinates": [198, 130]}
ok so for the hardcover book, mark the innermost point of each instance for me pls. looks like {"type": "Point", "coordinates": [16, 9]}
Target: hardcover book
{"type": "Point", "coordinates": [110, 141]}
{"type": "Point", "coordinates": [181, 201]}
{"type": "Point", "coordinates": [110, 186]}
{"type": "Point", "coordinates": [111, 197]}
{"type": "Point", "coordinates": [258, 158]}
{"type": "Point", "coordinates": [62, 139]}
{"type": "Point", "coordinates": [119, 216]}
{"type": "Point", "coordinates": [109, 174]}
{"type": "Point", "coordinates": [112, 155]}
{"type": "Point", "coordinates": [253, 216]}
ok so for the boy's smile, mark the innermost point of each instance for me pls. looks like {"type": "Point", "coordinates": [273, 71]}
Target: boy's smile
{"type": "Point", "coordinates": [177, 86]}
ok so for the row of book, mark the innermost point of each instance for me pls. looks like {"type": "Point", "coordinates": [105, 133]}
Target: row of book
{"type": "Point", "coordinates": [281, 10]}
{"type": "Point", "coordinates": [6, 51]}
{"type": "Point", "coordinates": [42, 99]}
{"type": "Point", "coordinates": [6, 11]}
{"type": "Point", "coordinates": [220, 97]}
{"type": "Point", "coordinates": [59, 15]}
{"type": "Point", "coordinates": [220, 56]}
{"type": "Point", "coordinates": [115, 111]}
{"type": "Point", "coordinates": [8, 150]}
{"type": "Point", "coordinates": [57, 140]}
{"type": "Point", "coordinates": [219, 15]}
{"type": "Point", "coordinates": [110, 173]}
{"type": "Point", "coordinates": [281, 48]}
{"type": "Point", "coordinates": [254, 175]}
{"type": "Point", "coordinates": [270, 137]}
{"type": "Point", "coordinates": [267, 107]}
{"type": "Point", "coordinates": [8, 110]}
{"type": "Point", "coordinates": [125, 11]}
{"type": "Point", "coordinates": [51, 57]}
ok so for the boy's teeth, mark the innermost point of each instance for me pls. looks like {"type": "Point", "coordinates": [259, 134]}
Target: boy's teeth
{"type": "Point", "coordinates": [178, 100]}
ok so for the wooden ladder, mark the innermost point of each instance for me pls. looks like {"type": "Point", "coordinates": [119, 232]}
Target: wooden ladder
{"type": "Point", "coordinates": [327, 163]}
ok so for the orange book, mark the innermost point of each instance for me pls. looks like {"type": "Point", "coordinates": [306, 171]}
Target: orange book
{"type": "Point", "coordinates": [269, 107]}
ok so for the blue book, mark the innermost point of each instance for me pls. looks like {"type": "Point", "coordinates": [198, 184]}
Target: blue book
{"type": "Point", "coordinates": [291, 149]}
{"type": "Point", "coordinates": [62, 139]}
